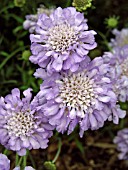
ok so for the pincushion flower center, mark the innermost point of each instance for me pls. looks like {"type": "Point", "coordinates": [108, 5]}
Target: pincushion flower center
{"type": "Point", "coordinates": [61, 37]}
{"type": "Point", "coordinates": [124, 67]}
{"type": "Point", "coordinates": [20, 124]}
{"type": "Point", "coordinates": [124, 41]}
{"type": "Point", "coordinates": [77, 91]}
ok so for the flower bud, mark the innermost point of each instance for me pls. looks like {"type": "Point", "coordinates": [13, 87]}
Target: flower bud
{"type": "Point", "coordinates": [19, 3]}
{"type": "Point", "coordinates": [49, 165]}
{"type": "Point", "coordinates": [26, 54]}
{"type": "Point", "coordinates": [82, 5]}
{"type": "Point", "coordinates": [112, 22]}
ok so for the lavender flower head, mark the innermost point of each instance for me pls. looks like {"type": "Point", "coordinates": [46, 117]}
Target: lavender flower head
{"type": "Point", "coordinates": [84, 97]}
{"type": "Point", "coordinates": [62, 40]}
{"type": "Point", "coordinates": [31, 20]}
{"type": "Point", "coordinates": [118, 72]}
{"type": "Point", "coordinates": [4, 162]}
{"type": "Point", "coordinates": [121, 140]}
{"type": "Point", "coordinates": [22, 126]}
{"type": "Point", "coordinates": [121, 38]}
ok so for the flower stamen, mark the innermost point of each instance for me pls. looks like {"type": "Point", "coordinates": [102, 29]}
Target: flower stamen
{"type": "Point", "coordinates": [61, 37]}
{"type": "Point", "coordinates": [20, 124]}
{"type": "Point", "coordinates": [124, 67]}
{"type": "Point", "coordinates": [77, 91]}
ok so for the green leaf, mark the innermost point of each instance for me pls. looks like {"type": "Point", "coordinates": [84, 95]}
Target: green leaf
{"type": "Point", "coordinates": [17, 29]}
{"type": "Point", "coordinates": [124, 106]}
{"type": "Point", "coordinates": [18, 19]}
{"type": "Point", "coordinates": [79, 145]}
{"type": "Point", "coordinates": [4, 53]}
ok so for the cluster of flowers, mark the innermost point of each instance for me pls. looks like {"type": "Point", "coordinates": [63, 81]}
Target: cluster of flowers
{"type": "Point", "coordinates": [75, 90]}
{"type": "Point", "coordinates": [118, 60]}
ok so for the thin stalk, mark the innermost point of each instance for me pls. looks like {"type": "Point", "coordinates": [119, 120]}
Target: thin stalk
{"type": "Point", "coordinates": [10, 56]}
{"type": "Point", "coordinates": [25, 159]}
{"type": "Point", "coordinates": [68, 3]}
{"type": "Point", "coordinates": [19, 163]}
{"type": "Point", "coordinates": [17, 159]}
{"type": "Point", "coordinates": [6, 8]}
{"type": "Point", "coordinates": [32, 160]}
{"type": "Point", "coordinates": [58, 152]}
{"type": "Point", "coordinates": [122, 123]}
{"type": "Point", "coordinates": [5, 152]}
{"type": "Point", "coordinates": [105, 40]}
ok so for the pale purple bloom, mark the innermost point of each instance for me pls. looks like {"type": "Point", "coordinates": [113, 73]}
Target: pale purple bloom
{"type": "Point", "coordinates": [118, 72]}
{"type": "Point", "coordinates": [31, 20]}
{"type": "Point", "coordinates": [22, 126]}
{"type": "Point", "coordinates": [121, 140]}
{"type": "Point", "coordinates": [116, 113]}
{"type": "Point", "coordinates": [84, 97]}
{"type": "Point", "coordinates": [62, 40]}
{"type": "Point", "coordinates": [4, 162]}
{"type": "Point", "coordinates": [26, 168]}
{"type": "Point", "coordinates": [121, 38]}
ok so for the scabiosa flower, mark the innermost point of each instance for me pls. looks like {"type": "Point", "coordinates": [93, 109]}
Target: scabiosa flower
{"type": "Point", "coordinates": [21, 125]}
{"type": "Point", "coordinates": [118, 72]}
{"type": "Point", "coordinates": [84, 97]}
{"type": "Point", "coordinates": [62, 40]}
{"type": "Point", "coordinates": [31, 20]}
{"type": "Point", "coordinates": [4, 162]}
{"type": "Point", "coordinates": [121, 140]}
{"type": "Point", "coordinates": [121, 38]}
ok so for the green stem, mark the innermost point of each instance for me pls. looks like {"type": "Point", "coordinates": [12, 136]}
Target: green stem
{"type": "Point", "coordinates": [17, 159]}
{"type": "Point", "coordinates": [5, 152]}
{"type": "Point", "coordinates": [6, 8]}
{"type": "Point", "coordinates": [32, 160]}
{"type": "Point", "coordinates": [108, 32]}
{"type": "Point", "coordinates": [105, 40]}
{"type": "Point", "coordinates": [25, 159]}
{"type": "Point", "coordinates": [19, 163]}
{"type": "Point", "coordinates": [122, 123]}
{"type": "Point", "coordinates": [58, 152]}
{"type": "Point", "coordinates": [10, 56]}
{"type": "Point", "coordinates": [68, 3]}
